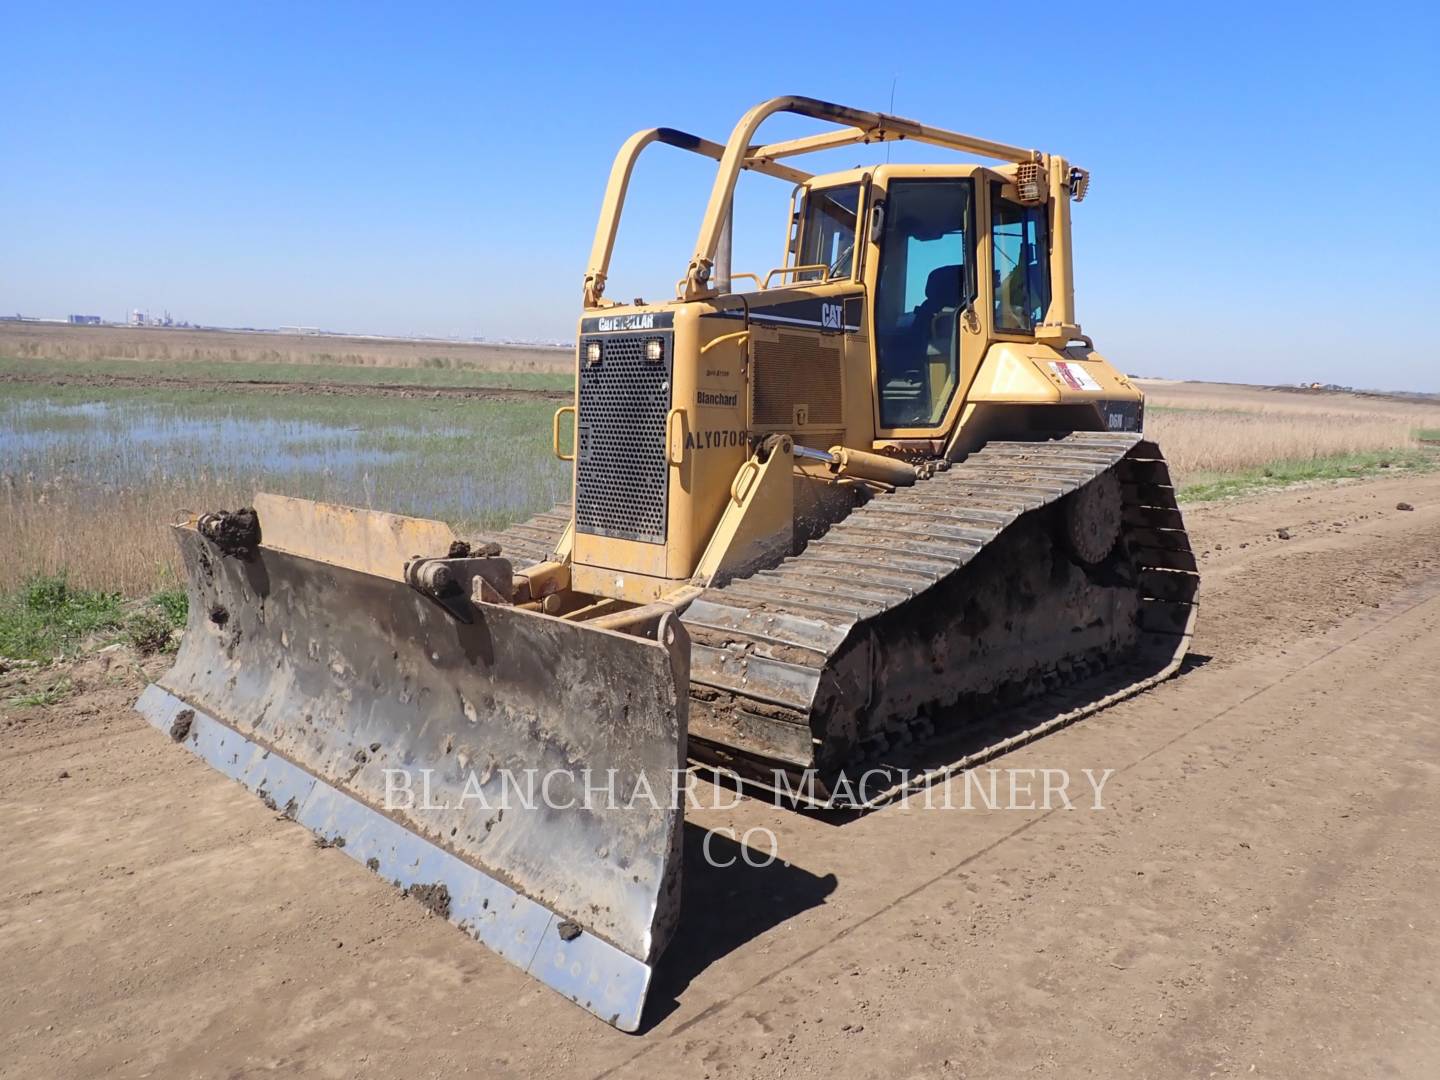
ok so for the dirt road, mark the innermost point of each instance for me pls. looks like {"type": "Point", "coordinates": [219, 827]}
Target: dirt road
{"type": "Point", "coordinates": [1256, 898]}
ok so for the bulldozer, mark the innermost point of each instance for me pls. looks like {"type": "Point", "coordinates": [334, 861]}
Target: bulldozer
{"type": "Point", "coordinates": [825, 522]}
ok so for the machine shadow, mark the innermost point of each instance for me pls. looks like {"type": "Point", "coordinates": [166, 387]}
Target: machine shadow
{"type": "Point", "coordinates": [957, 735]}
{"type": "Point", "coordinates": [727, 902]}
{"type": "Point", "coordinates": [1193, 662]}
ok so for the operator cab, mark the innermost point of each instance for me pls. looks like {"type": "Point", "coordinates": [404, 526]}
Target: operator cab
{"type": "Point", "coordinates": [921, 233]}
{"type": "Point", "coordinates": [914, 235]}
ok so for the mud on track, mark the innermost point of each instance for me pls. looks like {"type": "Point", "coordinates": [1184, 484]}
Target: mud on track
{"type": "Point", "coordinates": [1256, 898]}
{"type": "Point", "coordinates": [263, 386]}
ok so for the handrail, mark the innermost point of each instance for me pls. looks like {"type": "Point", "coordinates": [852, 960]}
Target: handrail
{"type": "Point", "coordinates": [804, 268]}
{"type": "Point", "coordinates": [740, 337]}
{"type": "Point", "coordinates": [555, 433]}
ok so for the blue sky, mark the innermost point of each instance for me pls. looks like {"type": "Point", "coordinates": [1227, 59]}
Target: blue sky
{"type": "Point", "coordinates": [1263, 205]}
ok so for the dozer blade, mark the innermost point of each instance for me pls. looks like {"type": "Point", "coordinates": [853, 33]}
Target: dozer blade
{"type": "Point", "coordinates": [518, 773]}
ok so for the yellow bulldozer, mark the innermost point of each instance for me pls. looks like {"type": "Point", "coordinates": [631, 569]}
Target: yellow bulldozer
{"type": "Point", "coordinates": [885, 497]}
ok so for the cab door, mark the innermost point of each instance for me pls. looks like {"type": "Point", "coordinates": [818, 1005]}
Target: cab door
{"type": "Point", "coordinates": [928, 338]}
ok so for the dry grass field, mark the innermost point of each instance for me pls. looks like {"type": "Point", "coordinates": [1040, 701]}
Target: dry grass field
{"type": "Point", "coordinates": [56, 528]}
{"type": "Point", "coordinates": [1213, 430]}
{"type": "Point", "coordinates": [51, 341]}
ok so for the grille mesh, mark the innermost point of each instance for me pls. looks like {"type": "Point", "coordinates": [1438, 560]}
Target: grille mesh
{"type": "Point", "coordinates": [796, 370]}
{"type": "Point", "coordinates": [621, 478]}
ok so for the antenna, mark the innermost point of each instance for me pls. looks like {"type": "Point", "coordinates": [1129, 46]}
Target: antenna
{"type": "Point", "coordinates": [893, 80]}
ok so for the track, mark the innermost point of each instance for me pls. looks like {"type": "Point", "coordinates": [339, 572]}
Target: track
{"type": "Point", "coordinates": [852, 622]}
{"type": "Point", "coordinates": [534, 539]}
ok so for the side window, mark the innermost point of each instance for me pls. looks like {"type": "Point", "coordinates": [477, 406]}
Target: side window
{"type": "Point", "coordinates": [827, 232]}
{"type": "Point", "coordinates": [925, 276]}
{"type": "Point", "coordinates": [1022, 264]}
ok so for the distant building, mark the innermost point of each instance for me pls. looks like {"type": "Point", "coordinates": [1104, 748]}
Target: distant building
{"type": "Point", "coordinates": [84, 320]}
{"type": "Point", "coordinates": [144, 318]}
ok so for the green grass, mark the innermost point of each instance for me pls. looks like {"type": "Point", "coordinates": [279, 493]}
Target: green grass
{"type": "Point", "coordinates": [1428, 434]}
{"type": "Point", "coordinates": [1193, 409]}
{"type": "Point", "coordinates": [173, 604]}
{"type": "Point", "coordinates": [1211, 486]}
{"type": "Point", "coordinates": [53, 694]}
{"type": "Point", "coordinates": [259, 371]}
{"type": "Point", "coordinates": [47, 617]}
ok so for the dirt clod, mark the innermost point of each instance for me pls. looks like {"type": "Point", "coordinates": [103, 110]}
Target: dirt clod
{"type": "Point", "coordinates": [1403, 506]}
{"type": "Point", "coordinates": [569, 931]}
{"type": "Point", "coordinates": [436, 898]}
{"type": "Point", "coordinates": [481, 549]}
{"type": "Point", "coordinates": [372, 864]}
{"type": "Point", "coordinates": [1283, 534]}
{"type": "Point", "coordinates": [181, 725]}
{"type": "Point", "coordinates": [329, 841]}
{"type": "Point", "coordinates": [233, 532]}
{"type": "Point", "coordinates": [218, 615]}
{"type": "Point", "coordinates": [64, 774]}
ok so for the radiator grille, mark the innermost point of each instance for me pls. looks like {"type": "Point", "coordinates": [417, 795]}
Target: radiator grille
{"type": "Point", "coordinates": [793, 371]}
{"type": "Point", "coordinates": [621, 476]}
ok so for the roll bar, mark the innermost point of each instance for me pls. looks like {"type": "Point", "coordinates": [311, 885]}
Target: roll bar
{"type": "Point", "coordinates": [614, 201]}
{"type": "Point", "coordinates": [857, 126]}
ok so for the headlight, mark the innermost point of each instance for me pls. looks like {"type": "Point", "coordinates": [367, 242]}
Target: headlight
{"type": "Point", "coordinates": [654, 350]}
{"type": "Point", "coordinates": [592, 353]}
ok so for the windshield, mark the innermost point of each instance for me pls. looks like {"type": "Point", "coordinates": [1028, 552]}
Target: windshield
{"type": "Point", "coordinates": [827, 232]}
{"type": "Point", "coordinates": [1022, 272]}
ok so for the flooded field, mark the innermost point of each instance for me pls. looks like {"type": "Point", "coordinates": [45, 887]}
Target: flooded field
{"type": "Point", "coordinates": [89, 478]}
{"type": "Point", "coordinates": [113, 445]}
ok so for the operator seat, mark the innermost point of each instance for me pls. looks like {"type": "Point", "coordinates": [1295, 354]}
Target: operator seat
{"type": "Point", "coordinates": [922, 336]}
{"type": "Point", "coordinates": [942, 298]}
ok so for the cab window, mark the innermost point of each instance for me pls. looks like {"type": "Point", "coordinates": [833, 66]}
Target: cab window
{"type": "Point", "coordinates": [1022, 264]}
{"type": "Point", "coordinates": [827, 232]}
{"type": "Point", "coordinates": [925, 280]}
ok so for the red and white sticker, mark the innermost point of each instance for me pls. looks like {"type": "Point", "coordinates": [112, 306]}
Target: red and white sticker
{"type": "Point", "coordinates": [1073, 375]}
